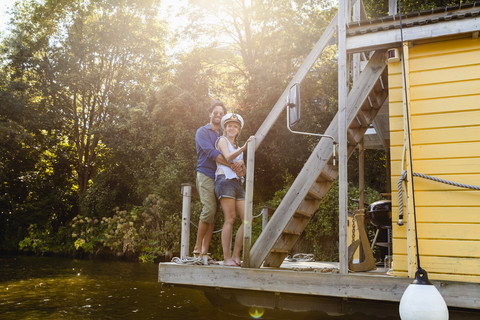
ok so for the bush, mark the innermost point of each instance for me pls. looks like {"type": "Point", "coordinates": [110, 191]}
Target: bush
{"type": "Point", "coordinates": [44, 240]}
{"type": "Point", "coordinates": [148, 231]}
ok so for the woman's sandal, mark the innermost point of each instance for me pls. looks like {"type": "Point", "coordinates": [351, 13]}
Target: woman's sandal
{"type": "Point", "coordinates": [196, 254]}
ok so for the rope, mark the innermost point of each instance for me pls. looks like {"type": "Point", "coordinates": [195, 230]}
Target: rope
{"type": "Point", "coordinates": [456, 184]}
{"type": "Point", "coordinates": [188, 260]}
{"type": "Point", "coordinates": [258, 215]}
{"type": "Point", "coordinates": [308, 257]}
{"type": "Point", "coordinates": [403, 177]}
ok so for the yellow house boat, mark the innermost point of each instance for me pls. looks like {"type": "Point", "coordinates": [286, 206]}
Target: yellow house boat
{"type": "Point", "coordinates": [441, 84]}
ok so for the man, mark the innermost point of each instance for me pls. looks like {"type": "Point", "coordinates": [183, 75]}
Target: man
{"type": "Point", "coordinates": [207, 158]}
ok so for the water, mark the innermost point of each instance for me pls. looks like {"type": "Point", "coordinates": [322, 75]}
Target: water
{"type": "Point", "coordinates": [58, 288]}
{"type": "Point", "coordinates": [55, 288]}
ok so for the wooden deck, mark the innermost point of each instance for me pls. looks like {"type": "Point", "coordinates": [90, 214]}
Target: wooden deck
{"type": "Point", "coordinates": [317, 280]}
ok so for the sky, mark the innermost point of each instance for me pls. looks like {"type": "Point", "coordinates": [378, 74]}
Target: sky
{"type": "Point", "coordinates": [5, 5]}
{"type": "Point", "coordinates": [169, 11]}
{"type": "Point", "coordinates": [170, 8]}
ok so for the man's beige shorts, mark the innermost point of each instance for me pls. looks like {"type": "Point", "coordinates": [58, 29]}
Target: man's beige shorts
{"type": "Point", "coordinates": [206, 190]}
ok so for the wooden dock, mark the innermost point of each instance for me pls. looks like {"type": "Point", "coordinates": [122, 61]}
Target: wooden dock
{"type": "Point", "coordinates": [310, 286]}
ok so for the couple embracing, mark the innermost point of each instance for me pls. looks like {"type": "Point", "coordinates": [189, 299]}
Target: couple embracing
{"type": "Point", "coordinates": [220, 171]}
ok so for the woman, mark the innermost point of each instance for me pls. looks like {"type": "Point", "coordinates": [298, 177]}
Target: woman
{"type": "Point", "coordinates": [228, 186]}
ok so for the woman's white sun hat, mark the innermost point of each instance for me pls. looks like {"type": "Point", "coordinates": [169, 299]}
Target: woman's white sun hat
{"type": "Point", "coordinates": [231, 117]}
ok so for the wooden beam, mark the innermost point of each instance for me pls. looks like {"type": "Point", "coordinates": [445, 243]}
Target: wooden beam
{"type": "Point", "coordinates": [342, 139]}
{"type": "Point", "coordinates": [384, 39]}
{"type": "Point", "coordinates": [361, 175]}
{"type": "Point", "coordinates": [247, 219]}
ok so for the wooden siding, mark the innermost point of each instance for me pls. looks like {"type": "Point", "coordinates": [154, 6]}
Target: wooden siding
{"type": "Point", "coordinates": [443, 85]}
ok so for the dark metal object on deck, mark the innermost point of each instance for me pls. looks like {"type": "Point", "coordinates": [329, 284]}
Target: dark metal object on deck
{"type": "Point", "coordinates": [379, 214]}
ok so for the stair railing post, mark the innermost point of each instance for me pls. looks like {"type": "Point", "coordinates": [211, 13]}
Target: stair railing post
{"type": "Point", "coordinates": [342, 136]}
{"type": "Point", "coordinates": [186, 209]}
{"type": "Point", "coordinates": [247, 221]}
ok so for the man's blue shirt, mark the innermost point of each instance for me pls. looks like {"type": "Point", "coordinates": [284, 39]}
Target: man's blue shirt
{"type": "Point", "coordinates": [205, 139]}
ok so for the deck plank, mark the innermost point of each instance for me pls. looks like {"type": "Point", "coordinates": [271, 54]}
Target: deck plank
{"type": "Point", "coordinates": [365, 285]}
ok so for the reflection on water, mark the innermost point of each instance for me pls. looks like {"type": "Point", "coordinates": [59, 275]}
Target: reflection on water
{"type": "Point", "coordinates": [53, 288]}
{"type": "Point", "coordinates": [56, 288]}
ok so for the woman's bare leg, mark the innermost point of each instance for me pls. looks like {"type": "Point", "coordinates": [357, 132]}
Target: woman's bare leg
{"type": "Point", "coordinates": [240, 206]}
{"type": "Point", "coordinates": [228, 207]}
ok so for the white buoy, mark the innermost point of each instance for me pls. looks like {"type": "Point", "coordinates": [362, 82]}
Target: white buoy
{"type": "Point", "coordinates": [422, 301]}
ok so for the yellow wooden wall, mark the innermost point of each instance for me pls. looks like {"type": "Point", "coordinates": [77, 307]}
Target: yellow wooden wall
{"type": "Point", "coordinates": [443, 83]}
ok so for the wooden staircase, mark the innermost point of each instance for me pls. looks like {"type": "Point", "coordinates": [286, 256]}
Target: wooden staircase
{"type": "Point", "coordinates": [318, 174]}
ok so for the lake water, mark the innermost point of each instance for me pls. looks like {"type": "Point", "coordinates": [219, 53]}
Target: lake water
{"type": "Point", "coordinates": [58, 288]}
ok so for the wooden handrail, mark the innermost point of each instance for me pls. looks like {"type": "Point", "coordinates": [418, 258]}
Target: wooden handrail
{"type": "Point", "coordinates": [247, 219]}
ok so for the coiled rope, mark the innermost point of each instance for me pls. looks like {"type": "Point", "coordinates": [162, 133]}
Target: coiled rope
{"type": "Point", "coordinates": [188, 260]}
{"type": "Point", "coordinates": [403, 178]}
{"type": "Point", "coordinates": [301, 257]}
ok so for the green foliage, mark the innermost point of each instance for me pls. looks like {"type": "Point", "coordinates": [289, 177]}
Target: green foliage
{"type": "Point", "coordinates": [160, 230]}
{"type": "Point", "coordinates": [375, 171]}
{"type": "Point", "coordinates": [43, 240]}
{"type": "Point", "coordinates": [147, 231]}
{"type": "Point", "coordinates": [36, 240]}
{"type": "Point", "coordinates": [88, 233]}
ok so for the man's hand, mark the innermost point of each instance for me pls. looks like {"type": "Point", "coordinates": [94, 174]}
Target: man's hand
{"type": "Point", "coordinates": [238, 167]}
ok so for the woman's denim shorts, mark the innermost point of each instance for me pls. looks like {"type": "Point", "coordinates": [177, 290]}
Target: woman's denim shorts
{"type": "Point", "coordinates": [229, 188]}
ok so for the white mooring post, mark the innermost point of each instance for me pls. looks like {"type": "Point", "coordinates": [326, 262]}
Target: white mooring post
{"type": "Point", "coordinates": [392, 7]}
{"type": "Point", "coordinates": [187, 202]}
{"type": "Point", "coordinates": [247, 227]}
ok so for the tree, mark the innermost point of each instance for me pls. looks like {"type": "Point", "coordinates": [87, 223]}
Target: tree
{"type": "Point", "coordinates": [70, 69]}
{"type": "Point", "coordinates": [84, 62]}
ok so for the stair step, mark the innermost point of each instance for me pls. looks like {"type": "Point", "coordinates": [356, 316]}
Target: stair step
{"type": "Point", "coordinates": [314, 195]}
{"type": "Point", "coordinates": [362, 119]}
{"type": "Point", "coordinates": [352, 137]}
{"type": "Point", "coordinates": [383, 244]}
{"type": "Point", "coordinates": [303, 214]}
{"type": "Point", "coordinates": [291, 232]}
{"type": "Point", "coordinates": [279, 251]}
{"type": "Point", "coordinates": [323, 177]}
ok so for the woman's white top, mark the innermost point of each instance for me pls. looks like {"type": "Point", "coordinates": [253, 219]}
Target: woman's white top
{"type": "Point", "coordinates": [229, 173]}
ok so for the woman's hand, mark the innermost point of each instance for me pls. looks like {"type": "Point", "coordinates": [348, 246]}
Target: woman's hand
{"type": "Point", "coordinates": [251, 138]}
